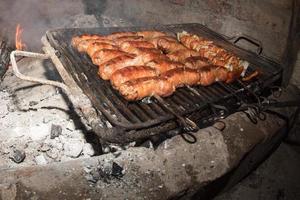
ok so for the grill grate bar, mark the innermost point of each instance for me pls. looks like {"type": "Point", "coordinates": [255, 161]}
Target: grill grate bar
{"type": "Point", "coordinates": [137, 115]}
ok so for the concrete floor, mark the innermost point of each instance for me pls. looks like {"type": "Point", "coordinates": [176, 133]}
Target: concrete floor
{"type": "Point", "coordinates": [275, 179]}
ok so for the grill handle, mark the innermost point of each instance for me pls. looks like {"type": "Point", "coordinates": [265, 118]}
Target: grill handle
{"type": "Point", "coordinates": [251, 40]}
{"type": "Point", "coordinates": [17, 72]}
{"type": "Point", "coordinates": [188, 125]}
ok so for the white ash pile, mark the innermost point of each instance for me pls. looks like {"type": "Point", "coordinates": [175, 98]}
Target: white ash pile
{"type": "Point", "coordinates": [37, 126]}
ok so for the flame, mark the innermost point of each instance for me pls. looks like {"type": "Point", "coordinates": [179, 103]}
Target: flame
{"type": "Point", "coordinates": [18, 39]}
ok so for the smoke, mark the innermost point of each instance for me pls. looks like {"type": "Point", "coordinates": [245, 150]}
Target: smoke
{"type": "Point", "coordinates": [38, 16]}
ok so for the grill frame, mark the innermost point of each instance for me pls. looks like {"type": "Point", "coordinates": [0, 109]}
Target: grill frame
{"type": "Point", "coordinates": [137, 130]}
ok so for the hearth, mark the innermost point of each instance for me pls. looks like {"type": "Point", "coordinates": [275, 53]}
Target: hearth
{"type": "Point", "coordinates": [59, 119]}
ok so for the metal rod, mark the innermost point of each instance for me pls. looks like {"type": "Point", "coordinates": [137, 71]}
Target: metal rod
{"type": "Point", "coordinates": [16, 71]}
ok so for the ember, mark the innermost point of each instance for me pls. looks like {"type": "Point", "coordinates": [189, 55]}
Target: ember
{"type": "Point", "coordinates": [18, 39]}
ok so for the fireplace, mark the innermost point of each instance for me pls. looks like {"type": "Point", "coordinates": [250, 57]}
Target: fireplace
{"type": "Point", "coordinates": [142, 148]}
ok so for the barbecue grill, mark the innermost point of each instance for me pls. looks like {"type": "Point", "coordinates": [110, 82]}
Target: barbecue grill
{"type": "Point", "coordinates": [116, 120]}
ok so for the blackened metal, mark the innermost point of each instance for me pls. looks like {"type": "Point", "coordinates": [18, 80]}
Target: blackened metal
{"type": "Point", "coordinates": [135, 120]}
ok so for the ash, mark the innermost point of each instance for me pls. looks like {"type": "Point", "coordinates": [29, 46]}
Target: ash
{"type": "Point", "coordinates": [37, 120]}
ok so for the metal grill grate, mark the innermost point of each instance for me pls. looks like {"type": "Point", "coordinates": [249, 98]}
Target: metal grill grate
{"type": "Point", "coordinates": [148, 114]}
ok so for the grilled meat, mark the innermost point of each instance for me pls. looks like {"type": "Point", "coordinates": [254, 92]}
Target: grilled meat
{"type": "Point", "coordinates": [142, 50]}
{"type": "Point", "coordinates": [104, 55]}
{"type": "Point", "coordinates": [84, 44]}
{"type": "Point", "coordinates": [129, 46]}
{"type": "Point", "coordinates": [216, 55]}
{"type": "Point", "coordinates": [145, 55]}
{"type": "Point", "coordinates": [163, 65]}
{"type": "Point", "coordinates": [156, 40]}
{"type": "Point", "coordinates": [139, 88]}
{"type": "Point", "coordinates": [252, 75]}
{"type": "Point", "coordinates": [181, 55]}
{"type": "Point", "coordinates": [196, 62]}
{"type": "Point", "coordinates": [168, 46]}
{"type": "Point", "coordinates": [108, 68]}
{"type": "Point", "coordinates": [192, 41]}
{"type": "Point", "coordinates": [120, 40]}
{"type": "Point", "coordinates": [148, 63]}
{"type": "Point", "coordinates": [116, 35]}
{"type": "Point", "coordinates": [77, 39]}
{"type": "Point", "coordinates": [210, 74]}
{"type": "Point", "coordinates": [182, 76]}
{"type": "Point", "coordinates": [97, 46]}
{"type": "Point", "coordinates": [130, 73]}
{"type": "Point", "coordinates": [150, 34]}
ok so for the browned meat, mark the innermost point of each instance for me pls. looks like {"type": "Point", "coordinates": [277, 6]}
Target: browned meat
{"type": "Point", "coordinates": [210, 74]}
{"type": "Point", "coordinates": [84, 44]}
{"type": "Point", "coordinates": [156, 40]}
{"type": "Point", "coordinates": [148, 86]}
{"type": "Point", "coordinates": [192, 41]}
{"type": "Point", "coordinates": [130, 46]}
{"type": "Point", "coordinates": [143, 51]}
{"type": "Point", "coordinates": [145, 55]}
{"type": "Point", "coordinates": [181, 55]}
{"type": "Point", "coordinates": [253, 75]}
{"type": "Point", "coordinates": [77, 39]}
{"type": "Point", "coordinates": [163, 65]}
{"type": "Point", "coordinates": [150, 34]}
{"type": "Point", "coordinates": [120, 40]}
{"type": "Point", "coordinates": [104, 55]}
{"type": "Point", "coordinates": [234, 74]}
{"type": "Point", "coordinates": [130, 73]}
{"type": "Point", "coordinates": [207, 77]}
{"type": "Point", "coordinates": [168, 46]}
{"type": "Point", "coordinates": [108, 68]}
{"type": "Point", "coordinates": [196, 62]}
{"type": "Point", "coordinates": [215, 54]}
{"type": "Point", "coordinates": [98, 45]}
{"type": "Point", "coordinates": [182, 76]}
{"type": "Point", "coordinates": [116, 35]}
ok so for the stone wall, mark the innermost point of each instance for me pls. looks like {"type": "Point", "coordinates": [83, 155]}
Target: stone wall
{"type": "Point", "coordinates": [265, 20]}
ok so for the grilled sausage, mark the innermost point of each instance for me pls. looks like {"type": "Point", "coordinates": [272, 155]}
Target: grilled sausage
{"type": "Point", "coordinates": [210, 74]}
{"type": "Point", "coordinates": [196, 62]}
{"type": "Point", "coordinates": [84, 44]}
{"type": "Point", "coordinates": [168, 46]}
{"type": "Point", "coordinates": [182, 76]}
{"type": "Point", "coordinates": [108, 68]}
{"type": "Point", "coordinates": [104, 55]}
{"type": "Point", "coordinates": [77, 39]}
{"type": "Point", "coordinates": [150, 34]}
{"type": "Point", "coordinates": [116, 35]}
{"type": "Point", "coordinates": [129, 46]}
{"type": "Point", "coordinates": [143, 87]}
{"type": "Point", "coordinates": [215, 54]}
{"type": "Point", "coordinates": [130, 73]}
{"type": "Point", "coordinates": [120, 40]}
{"type": "Point", "coordinates": [98, 45]}
{"type": "Point", "coordinates": [181, 55]}
{"type": "Point", "coordinates": [163, 65]}
{"type": "Point", "coordinates": [155, 40]}
{"type": "Point", "coordinates": [146, 55]}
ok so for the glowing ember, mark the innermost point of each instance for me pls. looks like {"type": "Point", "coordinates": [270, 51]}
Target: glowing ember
{"type": "Point", "coordinates": [18, 40]}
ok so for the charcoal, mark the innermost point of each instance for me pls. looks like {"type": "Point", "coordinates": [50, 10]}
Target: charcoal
{"type": "Point", "coordinates": [56, 130]}
{"type": "Point", "coordinates": [4, 56]}
{"type": "Point", "coordinates": [117, 170]}
{"type": "Point", "coordinates": [18, 156]}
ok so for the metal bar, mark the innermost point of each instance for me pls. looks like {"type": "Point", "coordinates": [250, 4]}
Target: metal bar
{"type": "Point", "coordinates": [16, 71]}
